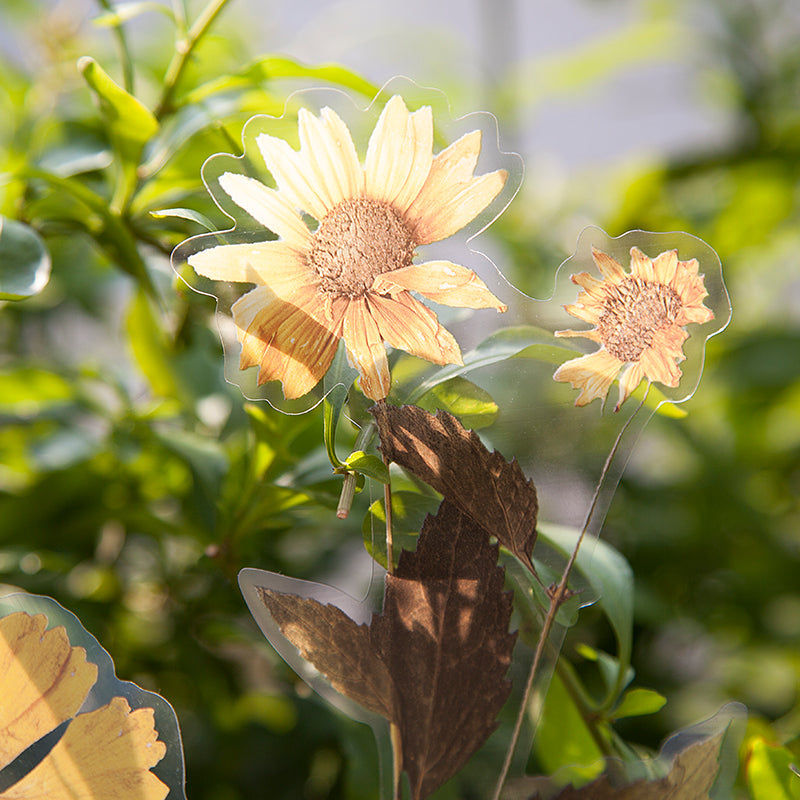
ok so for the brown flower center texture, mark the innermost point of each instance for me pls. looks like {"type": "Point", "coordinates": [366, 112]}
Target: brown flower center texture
{"type": "Point", "coordinates": [357, 241]}
{"type": "Point", "coordinates": [632, 313]}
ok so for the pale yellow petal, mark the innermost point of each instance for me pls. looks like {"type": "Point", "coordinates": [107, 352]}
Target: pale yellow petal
{"type": "Point", "coordinates": [593, 374]}
{"type": "Point", "coordinates": [629, 379]}
{"type": "Point", "coordinates": [592, 334]}
{"type": "Point", "coordinates": [407, 324]}
{"type": "Point", "coordinates": [244, 311]}
{"type": "Point", "coordinates": [366, 350]}
{"type": "Point", "coordinates": [103, 755]}
{"type": "Point", "coordinates": [440, 281]}
{"type": "Point", "coordinates": [274, 264]}
{"type": "Point", "coordinates": [421, 144]}
{"type": "Point", "coordinates": [457, 206]}
{"type": "Point", "coordinates": [399, 154]}
{"type": "Point", "coordinates": [341, 154]}
{"type": "Point", "coordinates": [658, 362]}
{"type": "Point", "coordinates": [610, 268]}
{"type": "Point", "coordinates": [301, 350]}
{"type": "Point", "coordinates": [665, 265]}
{"type": "Point", "coordinates": [268, 207]}
{"type": "Point", "coordinates": [450, 171]}
{"type": "Point", "coordinates": [642, 265]}
{"type": "Point", "coordinates": [297, 182]}
{"type": "Point", "coordinates": [43, 681]}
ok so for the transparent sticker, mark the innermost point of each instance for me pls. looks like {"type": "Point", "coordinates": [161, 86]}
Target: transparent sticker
{"type": "Point", "coordinates": [342, 217]}
{"type": "Point", "coordinates": [95, 734]}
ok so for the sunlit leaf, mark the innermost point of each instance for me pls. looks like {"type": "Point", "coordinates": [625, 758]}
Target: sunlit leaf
{"type": "Point", "coordinates": [24, 261]}
{"type": "Point", "coordinates": [769, 772]}
{"type": "Point", "coordinates": [369, 465]}
{"type": "Point", "coordinates": [473, 406]}
{"type": "Point", "coordinates": [638, 702]}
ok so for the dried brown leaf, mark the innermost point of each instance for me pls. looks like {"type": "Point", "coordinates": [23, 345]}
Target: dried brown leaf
{"type": "Point", "coordinates": [691, 777]}
{"type": "Point", "coordinates": [454, 461]}
{"type": "Point", "coordinates": [444, 635]}
{"type": "Point", "coordinates": [338, 647]}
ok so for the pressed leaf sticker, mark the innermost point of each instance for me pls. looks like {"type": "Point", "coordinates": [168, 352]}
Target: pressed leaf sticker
{"type": "Point", "coordinates": [46, 751]}
{"type": "Point", "coordinates": [437, 449]}
{"type": "Point", "coordinates": [434, 661]}
{"type": "Point", "coordinates": [691, 777]}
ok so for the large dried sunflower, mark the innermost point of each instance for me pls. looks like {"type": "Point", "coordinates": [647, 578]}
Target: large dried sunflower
{"type": "Point", "coordinates": [638, 320]}
{"type": "Point", "coordinates": [351, 277]}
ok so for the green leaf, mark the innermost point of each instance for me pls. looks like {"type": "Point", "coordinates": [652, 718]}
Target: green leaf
{"type": "Point", "coordinates": [638, 702]}
{"type": "Point", "coordinates": [611, 579]}
{"type": "Point", "coordinates": [409, 510]}
{"type": "Point", "coordinates": [28, 391]}
{"type": "Point", "coordinates": [473, 406]}
{"type": "Point", "coordinates": [273, 67]}
{"type": "Point", "coordinates": [769, 773]}
{"type": "Point", "coordinates": [185, 213]}
{"type": "Point", "coordinates": [369, 465]}
{"type": "Point", "coordinates": [497, 347]}
{"type": "Point", "coordinates": [24, 261]}
{"type": "Point", "coordinates": [563, 741]}
{"type": "Point", "coordinates": [337, 382]}
{"type": "Point", "coordinates": [131, 123]}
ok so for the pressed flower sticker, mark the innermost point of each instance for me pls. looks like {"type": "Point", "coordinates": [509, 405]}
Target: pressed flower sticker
{"type": "Point", "coordinates": [639, 317]}
{"type": "Point", "coordinates": [343, 266]}
{"type": "Point", "coordinates": [47, 748]}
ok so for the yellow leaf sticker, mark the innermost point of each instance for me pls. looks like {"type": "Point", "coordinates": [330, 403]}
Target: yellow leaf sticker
{"type": "Point", "coordinates": [104, 754]}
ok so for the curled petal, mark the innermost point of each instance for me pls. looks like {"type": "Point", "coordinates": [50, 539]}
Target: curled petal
{"type": "Point", "coordinates": [593, 374]}
{"type": "Point", "coordinates": [365, 349]}
{"type": "Point", "coordinates": [440, 281]}
{"type": "Point", "coordinates": [610, 268]}
{"type": "Point", "coordinates": [665, 265]}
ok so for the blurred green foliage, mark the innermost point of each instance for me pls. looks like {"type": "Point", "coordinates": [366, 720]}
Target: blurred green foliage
{"type": "Point", "coordinates": [135, 483]}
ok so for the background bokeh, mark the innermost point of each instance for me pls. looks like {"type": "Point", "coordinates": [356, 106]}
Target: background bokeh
{"type": "Point", "coordinates": [134, 482]}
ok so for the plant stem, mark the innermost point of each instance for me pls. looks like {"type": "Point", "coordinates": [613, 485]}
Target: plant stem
{"type": "Point", "coordinates": [557, 597]}
{"type": "Point", "coordinates": [387, 502]}
{"type": "Point", "coordinates": [183, 49]}
{"type": "Point", "coordinates": [126, 62]}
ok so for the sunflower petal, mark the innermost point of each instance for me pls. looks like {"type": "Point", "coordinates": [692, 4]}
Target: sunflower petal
{"type": "Point", "coordinates": [327, 145]}
{"type": "Point", "coordinates": [274, 264]}
{"type": "Point", "coordinates": [440, 281]}
{"type": "Point", "coordinates": [610, 268]}
{"type": "Point", "coordinates": [366, 350]}
{"type": "Point", "coordinates": [440, 217]}
{"type": "Point", "coordinates": [642, 265]}
{"type": "Point", "coordinates": [665, 265]}
{"type": "Point", "coordinates": [593, 374]}
{"type": "Point", "coordinates": [296, 181]}
{"type": "Point", "coordinates": [407, 324]}
{"type": "Point", "coordinates": [399, 154]}
{"type": "Point", "coordinates": [630, 378]}
{"type": "Point", "coordinates": [266, 206]}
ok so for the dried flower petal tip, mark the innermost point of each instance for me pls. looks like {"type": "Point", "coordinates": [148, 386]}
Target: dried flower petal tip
{"type": "Point", "coordinates": [638, 317]}
{"type": "Point", "coordinates": [350, 274]}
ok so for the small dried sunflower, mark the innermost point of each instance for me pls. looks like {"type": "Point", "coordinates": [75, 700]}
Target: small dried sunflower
{"type": "Point", "coordinates": [638, 320]}
{"type": "Point", "coordinates": [351, 277]}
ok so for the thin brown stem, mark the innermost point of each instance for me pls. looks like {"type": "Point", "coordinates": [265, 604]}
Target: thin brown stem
{"type": "Point", "coordinates": [557, 597]}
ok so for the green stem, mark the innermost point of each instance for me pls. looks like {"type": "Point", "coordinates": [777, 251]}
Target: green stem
{"type": "Point", "coordinates": [349, 486]}
{"type": "Point", "coordinates": [557, 597]}
{"type": "Point", "coordinates": [183, 49]}
{"type": "Point", "coordinates": [124, 51]}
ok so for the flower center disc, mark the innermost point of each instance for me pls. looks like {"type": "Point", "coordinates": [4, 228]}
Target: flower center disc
{"type": "Point", "coordinates": [632, 313]}
{"type": "Point", "coordinates": [357, 241]}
